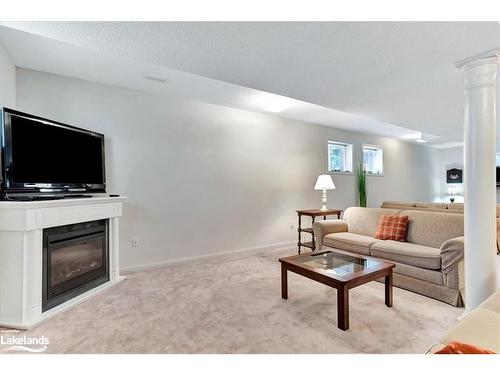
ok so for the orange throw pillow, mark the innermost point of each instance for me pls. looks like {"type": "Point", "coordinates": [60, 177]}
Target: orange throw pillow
{"type": "Point", "coordinates": [461, 348]}
{"type": "Point", "coordinates": [392, 227]}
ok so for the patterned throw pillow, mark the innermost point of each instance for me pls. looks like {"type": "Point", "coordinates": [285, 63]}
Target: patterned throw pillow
{"type": "Point", "coordinates": [461, 348]}
{"type": "Point", "coordinates": [392, 227]}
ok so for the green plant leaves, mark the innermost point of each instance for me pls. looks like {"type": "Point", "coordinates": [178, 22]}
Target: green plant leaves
{"type": "Point", "coordinates": [361, 182]}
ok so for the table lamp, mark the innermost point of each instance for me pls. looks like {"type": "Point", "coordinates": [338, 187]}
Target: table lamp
{"type": "Point", "coordinates": [452, 192]}
{"type": "Point", "coordinates": [324, 182]}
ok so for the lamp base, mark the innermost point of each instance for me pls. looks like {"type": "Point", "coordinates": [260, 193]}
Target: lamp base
{"type": "Point", "coordinates": [323, 200]}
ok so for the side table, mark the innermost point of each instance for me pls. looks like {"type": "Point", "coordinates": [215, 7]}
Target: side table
{"type": "Point", "coordinates": [313, 213]}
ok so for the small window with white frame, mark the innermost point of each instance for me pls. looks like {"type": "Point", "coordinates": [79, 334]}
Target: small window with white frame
{"type": "Point", "coordinates": [373, 160]}
{"type": "Point", "coordinates": [339, 157]}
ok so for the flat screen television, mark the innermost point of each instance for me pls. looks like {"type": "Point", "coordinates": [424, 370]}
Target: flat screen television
{"type": "Point", "coordinates": [46, 158]}
{"type": "Point", "coordinates": [498, 176]}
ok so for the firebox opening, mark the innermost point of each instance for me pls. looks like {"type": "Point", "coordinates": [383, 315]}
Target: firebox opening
{"type": "Point", "coordinates": [75, 260]}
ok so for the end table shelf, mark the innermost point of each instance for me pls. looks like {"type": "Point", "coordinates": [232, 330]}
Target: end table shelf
{"type": "Point", "coordinates": [313, 213]}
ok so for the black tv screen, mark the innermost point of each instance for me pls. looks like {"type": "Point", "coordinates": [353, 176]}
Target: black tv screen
{"type": "Point", "coordinates": [43, 153]}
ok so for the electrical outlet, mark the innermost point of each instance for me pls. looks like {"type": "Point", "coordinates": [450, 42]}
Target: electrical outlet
{"type": "Point", "coordinates": [135, 241]}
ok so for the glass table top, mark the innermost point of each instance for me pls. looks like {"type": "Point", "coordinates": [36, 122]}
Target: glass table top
{"type": "Point", "coordinates": [336, 264]}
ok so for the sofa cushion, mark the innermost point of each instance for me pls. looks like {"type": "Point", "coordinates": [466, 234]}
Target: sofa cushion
{"type": "Point", "coordinates": [392, 227]}
{"type": "Point", "coordinates": [433, 209]}
{"type": "Point", "coordinates": [361, 220]}
{"type": "Point", "coordinates": [391, 204]}
{"type": "Point", "coordinates": [356, 243]}
{"type": "Point", "coordinates": [433, 228]}
{"type": "Point", "coordinates": [408, 253]}
{"type": "Point", "coordinates": [443, 206]}
{"type": "Point", "coordinates": [480, 328]}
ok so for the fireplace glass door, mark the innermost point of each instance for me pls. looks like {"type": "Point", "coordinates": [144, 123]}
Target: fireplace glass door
{"type": "Point", "coordinates": [75, 260]}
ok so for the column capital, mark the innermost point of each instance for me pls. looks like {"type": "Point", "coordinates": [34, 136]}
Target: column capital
{"type": "Point", "coordinates": [486, 57]}
{"type": "Point", "coordinates": [480, 70]}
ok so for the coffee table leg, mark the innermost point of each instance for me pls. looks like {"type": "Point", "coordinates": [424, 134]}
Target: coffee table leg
{"type": "Point", "coordinates": [343, 308]}
{"type": "Point", "coordinates": [284, 282]}
{"type": "Point", "coordinates": [388, 289]}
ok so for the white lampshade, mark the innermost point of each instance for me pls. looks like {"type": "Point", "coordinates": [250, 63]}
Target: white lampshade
{"type": "Point", "coordinates": [324, 182]}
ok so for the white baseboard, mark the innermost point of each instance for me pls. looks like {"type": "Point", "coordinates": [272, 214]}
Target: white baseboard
{"type": "Point", "coordinates": [223, 254]}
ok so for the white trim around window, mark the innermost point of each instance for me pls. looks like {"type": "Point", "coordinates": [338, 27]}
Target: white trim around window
{"type": "Point", "coordinates": [339, 157]}
{"type": "Point", "coordinates": [373, 160]}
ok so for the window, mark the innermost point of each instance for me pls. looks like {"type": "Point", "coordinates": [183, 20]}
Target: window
{"type": "Point", "coordinates": [373, 159]}
{"type": "Point", "coordinates": [339, 157]}
{"type": "Point", "coordinates": [498, 159]}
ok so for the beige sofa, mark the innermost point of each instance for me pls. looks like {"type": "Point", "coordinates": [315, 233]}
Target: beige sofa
{"type": "Point", "coordinates": [481, 327]}
{"type": "Point", "coordinates": [429, 263]}
{"type": "Point", "coordinates": [451, 208]}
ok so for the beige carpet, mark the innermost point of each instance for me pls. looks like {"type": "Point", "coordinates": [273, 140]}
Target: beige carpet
{"type": "Point", "coordinates": [234, 306]}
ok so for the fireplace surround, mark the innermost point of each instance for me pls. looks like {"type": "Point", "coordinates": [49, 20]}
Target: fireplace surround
{"type": "Point", "coordinates": [27, 227]}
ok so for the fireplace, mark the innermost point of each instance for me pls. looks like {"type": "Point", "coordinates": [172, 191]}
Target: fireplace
{"type": "Point", "coordinates": [75, 260]}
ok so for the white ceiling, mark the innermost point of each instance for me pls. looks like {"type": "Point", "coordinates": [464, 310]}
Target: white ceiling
{"type": "Point", "coordinates": [381, 77]}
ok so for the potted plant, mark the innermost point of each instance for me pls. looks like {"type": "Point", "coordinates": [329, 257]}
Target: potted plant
{"type": "Point", "coordinates": [361, 183]}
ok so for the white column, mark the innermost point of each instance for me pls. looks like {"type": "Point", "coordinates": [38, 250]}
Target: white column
{"type": "Point", "coordinates": [479, 73]}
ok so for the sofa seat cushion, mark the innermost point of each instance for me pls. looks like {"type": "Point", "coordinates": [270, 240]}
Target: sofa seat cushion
{"type": "Point", "coordinates": [357, 243]}
{"type": "Point", "coordinates": [480, 328]}
{"type": "Point", "coordinates": [408, 253]}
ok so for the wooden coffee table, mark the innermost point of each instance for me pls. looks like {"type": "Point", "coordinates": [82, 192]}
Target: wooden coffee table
{"type": "Point", "coordinates": [340, 270]}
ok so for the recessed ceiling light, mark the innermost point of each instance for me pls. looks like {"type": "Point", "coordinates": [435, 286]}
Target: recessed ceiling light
{"type": "Point", "coordinates": [156, 79]}
{"type": "Point", "coordinates": [412, 135]}
{"type": "Point", "coordinates": [419, 137]}
{"type": "Point", "coordinates": [271, 102]}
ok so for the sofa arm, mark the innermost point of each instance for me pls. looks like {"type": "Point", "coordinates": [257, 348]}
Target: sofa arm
{"type": "Point", "coordinates": [452, 252]}
{"type": "Point", "coordinates": [324, 227]}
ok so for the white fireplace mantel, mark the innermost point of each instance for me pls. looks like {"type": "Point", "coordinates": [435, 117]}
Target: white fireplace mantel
{"type": "Point", "coordinates": [21, 229]}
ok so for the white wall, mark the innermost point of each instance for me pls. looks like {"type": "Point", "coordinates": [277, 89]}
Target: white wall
{"type": "Point", "coordinates": [7, 80]}
{"type": "Point", "coordinates": [450, 158]}
{"type": "Point", "coordinates": [453, 158]}
{"type": "Point", "coordinates": [204, 178]}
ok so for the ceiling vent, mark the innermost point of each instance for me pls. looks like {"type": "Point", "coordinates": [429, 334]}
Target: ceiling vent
{"type": "Point", "coordinates": [156, 79]}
